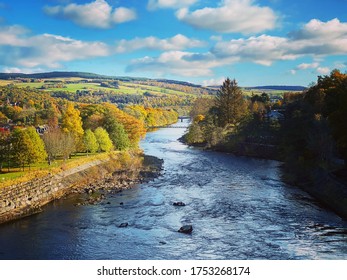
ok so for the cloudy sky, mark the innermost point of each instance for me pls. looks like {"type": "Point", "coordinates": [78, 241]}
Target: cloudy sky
{"type": "Point", "coordinates": [257, 42]}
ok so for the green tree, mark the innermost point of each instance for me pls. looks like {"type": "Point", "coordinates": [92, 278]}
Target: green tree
{"type": "Point", "coordinates": [4, 147]}
{"type": "Point", "coordinates": [329, 99]}
{"type": "Point", "coordinates": [19, 144]}
{"type": "Point", "coordinates": [195, 134]}
{"type": "Point", "coordinates": [90, 142]}
{"type": "Point", "coordinates": [103, 139]}
{"type": "Point", "coordinates": [28, 147]}
{"type": "Point", "coordinates": [230, 105]}
{"type": "Point", "coordinates": [36, 151]}
{"type": "Point", "coordinates": [116, 132]}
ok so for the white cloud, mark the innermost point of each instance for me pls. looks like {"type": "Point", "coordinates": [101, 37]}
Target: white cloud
{"type": "Point", "coordinates": [97, 14]}
{"type": "Point", "coordinates": [174, 63]}
{"type": "Point", "coordinates": [314, 41]}
{"type": "Point", "coordinates": [172, 4]}
{"type": "Point", "coordinates": [46, 50]}
{"type": "Point", "coordinates": [11, 35]}
{"type": "Point", "coordinates": [178, 42]}
{"type": "Point", "coordinates": [231, 16]}
{"type": "Point", "coordinates": [12, 70]}
{"type": "Point", "coordinates": [216, 38]}
{"type": "Point", "coordinates": [316, 29]}
{"type": "Point", "coordinates": [21, 70]}
{"type": "Point", "coordinates": [121, 15]}
{"type": "Point", "coordinates": [20, 50]}
{"type": "Point", "coordinates": [320, 38]}
{"type": "Point", "coordinates": [262, 50]}
{"type": "Point", "coordinates": [340, 65]}
{"type": "Point", "coordinates": [304, 66]}
{"type": "Point", "coordinates": [213, 82]}
{"type": "Point", "coordinates": [323, 70]}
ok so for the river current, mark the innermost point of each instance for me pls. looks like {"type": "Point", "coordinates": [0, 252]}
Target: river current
{"type": "Point", "coordinates": [239, 209]}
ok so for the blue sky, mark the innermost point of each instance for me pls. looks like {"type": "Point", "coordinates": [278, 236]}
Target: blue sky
{"type": "Point", "coordinates": [257, 42]}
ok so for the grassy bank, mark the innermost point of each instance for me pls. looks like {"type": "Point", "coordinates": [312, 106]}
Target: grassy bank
{"type": "Point", "coordinates": [16, 175]}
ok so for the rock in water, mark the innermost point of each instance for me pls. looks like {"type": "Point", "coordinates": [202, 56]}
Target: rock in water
{"type": "Point", "coordinates": [179, 203]}
{"type": "Point", "coordinates": [186, 229]}
{"type": "Point", "coordinates": [123, 225]}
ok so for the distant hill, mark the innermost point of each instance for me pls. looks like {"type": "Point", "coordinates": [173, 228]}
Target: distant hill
{"type": "Point", "coordinates": [86, 75]}
{"type": "Point", "coordinates": [282, 88]}
{"type": "Point", "coordinates": [59, 74]}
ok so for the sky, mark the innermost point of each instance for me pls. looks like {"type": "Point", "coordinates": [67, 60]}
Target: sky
{"type": "Point", "coordinates": [256, 42]}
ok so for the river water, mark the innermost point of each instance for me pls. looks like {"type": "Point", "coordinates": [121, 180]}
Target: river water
{"type": "Point", "coordinates": [239, 209]}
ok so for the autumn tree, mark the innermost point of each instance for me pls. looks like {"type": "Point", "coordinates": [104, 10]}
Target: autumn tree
{"type": "Point", "coordinates": [3, 118]}
{"type": "Point", "coordinates": [133, 127]}
{"type": "Point", "coordinates": [68, 145]}
{"type": "Point", "coordinates": [72, 123]}
{"type": "Point", "coordinates": [201, 106]}
{"type": "Point", "coordinates": [53, 140]}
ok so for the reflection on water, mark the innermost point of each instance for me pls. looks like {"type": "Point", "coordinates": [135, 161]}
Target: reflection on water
{"type": "Point", "coordinates": [239, 209]}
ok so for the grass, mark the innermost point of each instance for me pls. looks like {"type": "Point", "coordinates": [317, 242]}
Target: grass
{"type": "Point", "coordinates": [16, 175]}
{"type": "Point", "coordinates": [5, 82]}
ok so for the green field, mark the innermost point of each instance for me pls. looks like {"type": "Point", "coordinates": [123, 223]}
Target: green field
{"type": "Point", "coordinates": [269, 92]}
{"type": "Point", "coordinates": [124, 87]}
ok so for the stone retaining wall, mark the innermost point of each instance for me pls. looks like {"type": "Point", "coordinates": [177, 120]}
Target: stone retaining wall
{"type": "Point", "coordinates": [26, 198]}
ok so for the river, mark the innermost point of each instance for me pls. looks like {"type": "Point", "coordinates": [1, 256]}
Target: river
{"type": "Point", "coordinates": [239, 209]}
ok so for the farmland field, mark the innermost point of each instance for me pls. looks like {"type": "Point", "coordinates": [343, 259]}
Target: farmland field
{"type": "Point", "coordinates": [124, 87]}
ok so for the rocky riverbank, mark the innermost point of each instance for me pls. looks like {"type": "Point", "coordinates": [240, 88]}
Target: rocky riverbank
{"type": "Point", "coordinates": [118, 181]}
{"type": "Point", "coordinates": [94, 179]}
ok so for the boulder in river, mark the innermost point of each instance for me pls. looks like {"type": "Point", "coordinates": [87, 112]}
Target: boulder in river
{"type": "Point", "coordinates": [186, 229]}
{"type": "Point", "coordinates": [123, 225]}
{"type": "Point", "coordinates": [179, 203]}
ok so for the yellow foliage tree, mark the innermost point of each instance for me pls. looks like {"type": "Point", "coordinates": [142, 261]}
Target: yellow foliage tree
{"type": "Point", "coordinates": [133, 127]}
{"type": "Point", "coordinates": [72, 123]}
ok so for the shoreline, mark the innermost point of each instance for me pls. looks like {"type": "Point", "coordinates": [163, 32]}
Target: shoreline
{"type": "Point", "coordinates": [95, 179]}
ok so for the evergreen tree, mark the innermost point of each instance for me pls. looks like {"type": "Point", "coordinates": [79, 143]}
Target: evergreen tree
{"type": "Point", "coordinates": [230, 104]}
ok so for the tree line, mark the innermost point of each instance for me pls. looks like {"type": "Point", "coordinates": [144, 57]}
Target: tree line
{"type": "Point", "coordinates": [308, 129]}
{"type": "Point", "coordinates": [67, 127]}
